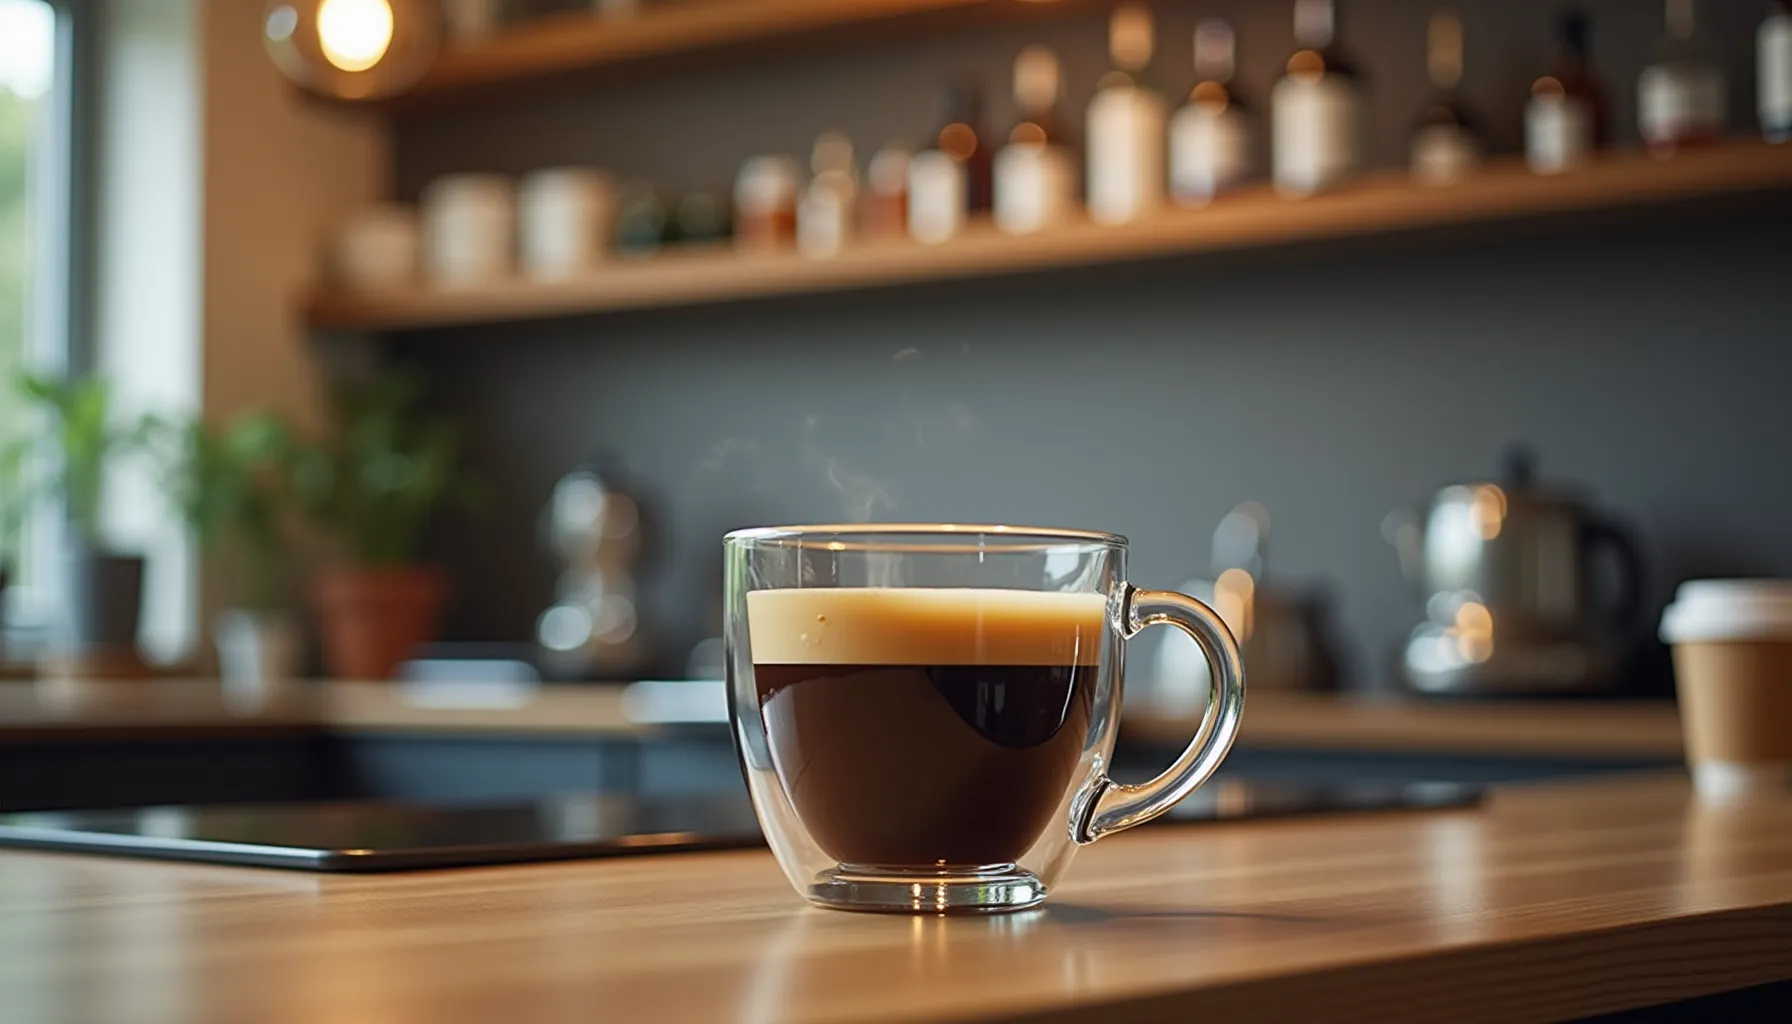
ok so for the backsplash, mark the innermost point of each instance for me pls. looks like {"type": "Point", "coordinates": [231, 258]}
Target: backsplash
{"type": "Point", "coordinates": [1643, 355]}
{"type": "Point", "coordinates": [1647, 362]}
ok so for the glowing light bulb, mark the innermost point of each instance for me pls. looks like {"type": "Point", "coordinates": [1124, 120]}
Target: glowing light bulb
{"type": "Point", "coordinates": [352, 49]}
{"type": "Point", "coordinates": [354, 34]}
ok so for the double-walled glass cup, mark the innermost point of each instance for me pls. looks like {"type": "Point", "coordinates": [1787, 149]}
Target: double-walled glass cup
{"type": "Point", "coordinates": [925, 714]}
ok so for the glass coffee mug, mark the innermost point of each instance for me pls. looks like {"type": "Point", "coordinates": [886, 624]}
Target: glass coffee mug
{"type": "Point", "coordinates": [925, 714]}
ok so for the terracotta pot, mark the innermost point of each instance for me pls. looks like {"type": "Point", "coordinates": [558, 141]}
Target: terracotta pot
{"type": "Point", "coordinates": [374, 618]}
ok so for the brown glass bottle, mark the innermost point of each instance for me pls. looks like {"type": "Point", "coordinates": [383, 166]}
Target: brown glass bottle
{"type": "Point", "coordinates": [1034, 174]}
{"type": "Point", "coordinates": [1568, 118]}
{"type": "Point", "coordinates": [960, 137]}
{"type": "Point", "coordinates": [1446, 143]}
{"type": "Point", "coordinates": [1681, 97]}
{"type": "Point", "coordinates": [1036, 94]}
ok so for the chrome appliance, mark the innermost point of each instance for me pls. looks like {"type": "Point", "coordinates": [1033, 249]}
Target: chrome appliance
{"type": "Point", "coordinates": [1507, 574]}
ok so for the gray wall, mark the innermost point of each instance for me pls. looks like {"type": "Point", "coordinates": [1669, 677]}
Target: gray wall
{"type": "Point", "coordinates": [1644, 354]}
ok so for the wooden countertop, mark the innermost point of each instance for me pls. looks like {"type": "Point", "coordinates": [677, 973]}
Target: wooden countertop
{"type": "Point", "coordinates": [80, 710]}
{"type": "Point", "coordinates": [1549, 902]}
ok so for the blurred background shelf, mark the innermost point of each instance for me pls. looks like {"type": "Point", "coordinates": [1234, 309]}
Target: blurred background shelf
{"type": "Point", "coordinates": [1387, 202]}
{"type": "Point", "coordinates": [573, 43]}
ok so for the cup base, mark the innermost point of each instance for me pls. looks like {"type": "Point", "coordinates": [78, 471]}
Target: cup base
{"type": "Point", "coordinates": [1723, 781]}
{"type": "Point", "coordinates": [986, 889]}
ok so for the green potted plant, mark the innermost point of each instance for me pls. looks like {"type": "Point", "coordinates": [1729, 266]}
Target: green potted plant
{"type": "Point", "coordinates": [231, 486]}
{"type": "Point", "coordinates": [370, 488]}
{"type": "Point", "coordinates": [103, 587]}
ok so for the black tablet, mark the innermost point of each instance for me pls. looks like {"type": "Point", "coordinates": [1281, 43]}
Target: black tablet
{"type": "Point", "coordinates": [386, 836]}
{"type": "Point", "coordinates": [389, 836]}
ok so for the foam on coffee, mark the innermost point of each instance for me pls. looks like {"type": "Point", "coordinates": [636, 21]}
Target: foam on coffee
{"type": "Point", "coordinates": [924, 626]}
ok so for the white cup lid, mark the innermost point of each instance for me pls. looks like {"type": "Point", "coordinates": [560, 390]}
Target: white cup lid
{"type": "Point", "coordinates": [1720, 610]}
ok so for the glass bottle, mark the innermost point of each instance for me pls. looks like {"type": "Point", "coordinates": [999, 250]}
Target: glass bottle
{"type": "Point", "coordinates": [1035, 178]}
{"type": "Point", "coordinates": [961, 138]}
{"type": "Point", "coordinates": [1126, 126]}
{"type": "Point", "coordinates": [1446, 145]}
{"type": "Point", "coordinates": [1773, 46]}
{"type": "Point", "coordinates": [1566, 121]}
{"type": "Point", "coordinates": [952, 179]}
{"type": "Point", "coordinates": [1316, 116]}
{"type": "Point", "coordinates": [825, 215]}
{"type": "Point", "coordinates": [885, 213]}
{"type": "Point", "coordinates": [1680, 97]}
{"type": "Point", "coordinates": [1210, 137]}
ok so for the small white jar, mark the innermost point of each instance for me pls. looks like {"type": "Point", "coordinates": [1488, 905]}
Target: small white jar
{"type": "Point", "coordinates": [565, 219]}
{"type": "Point", "coordinates": [469, 229]}
{"type": "Point", "coordinates": [375, 248]}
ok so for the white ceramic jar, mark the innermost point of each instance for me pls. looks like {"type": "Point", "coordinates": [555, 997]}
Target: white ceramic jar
{"type": "Point", "coordinates": [469, 229]}
{"type": "Point", "coordinates": [375, 248]}
{"type": "Point", "coordinates": [565, 218]}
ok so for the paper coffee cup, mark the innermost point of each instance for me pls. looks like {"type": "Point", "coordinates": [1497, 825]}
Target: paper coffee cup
{"type": "Point", "coordinates": [1732, 643]}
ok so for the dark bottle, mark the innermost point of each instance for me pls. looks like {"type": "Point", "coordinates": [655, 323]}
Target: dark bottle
{"type": "Point", "coordinates": [960, 137]}
{"type": "Point", "coordinates": [1567, 119]}
{"type": "Point", "coordinates": [1446, 144]}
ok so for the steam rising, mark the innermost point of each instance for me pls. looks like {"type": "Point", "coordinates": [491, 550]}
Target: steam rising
{"type": "Point", "coordinates": [919, 419]}
{"type": "Point", "coordinates": [862, 496]}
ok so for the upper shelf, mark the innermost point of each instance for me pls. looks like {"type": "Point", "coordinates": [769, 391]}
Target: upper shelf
{"type": "Point", "coordinates": [560, 44]}
{"type": "Point", "coordinates": [1382, 203]}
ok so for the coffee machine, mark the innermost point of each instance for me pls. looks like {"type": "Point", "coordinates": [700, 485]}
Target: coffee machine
{"type": "Point", "coordinates": [1507, 571]}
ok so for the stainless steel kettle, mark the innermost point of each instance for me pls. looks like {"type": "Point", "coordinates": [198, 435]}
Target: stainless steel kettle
{"type": "Point", "coordinates": [1507, 574]}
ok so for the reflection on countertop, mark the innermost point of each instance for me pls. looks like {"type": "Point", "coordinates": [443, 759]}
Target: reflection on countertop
{"type": "Point", "coordinates": [1558, 901]}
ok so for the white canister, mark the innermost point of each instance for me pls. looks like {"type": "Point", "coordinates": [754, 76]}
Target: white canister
{"type": "Point", "coordinates": [1773, 64]}
{"type": "Point", "coordinates": [1126, 153]}
{"type": "Point", "coordinates": [565, 216]}
{"type": "Point", "coordinates": [825, 215]}
{"type": "Point", "coordinates": [1209, 152]}
{"type": "Point", "coordinates": [1035, 187]}
{"type": "Point", "coordinates": [375, 248]}
{"type": "Point", "coordinates": [257, 651]}
{"type": "Point", "coordinates": [1558, 131]}
{"type": "Point", "coordinates": [469, 229]}
{"type": "Point", "coordinates": [936, 196]}
{"type": "Point", "coordinates": [1316, 131]}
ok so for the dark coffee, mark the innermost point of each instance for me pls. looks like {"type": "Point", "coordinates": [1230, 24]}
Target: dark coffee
{"type": "Point", "coordinates": [901, 740]}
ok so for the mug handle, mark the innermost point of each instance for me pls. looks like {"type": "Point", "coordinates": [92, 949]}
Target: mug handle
{"type": "Point", "coordinates": [1112, 806]}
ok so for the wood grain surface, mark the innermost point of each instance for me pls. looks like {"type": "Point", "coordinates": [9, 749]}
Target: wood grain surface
{"type": "Point", "coordinates": [1376, 204]}
{"type": "Point", "coordinates": [689, 32]}
{"type": "Point", "coordinates": [93, 709]}
{"type": "Point", "coordinates": [1549, 902]}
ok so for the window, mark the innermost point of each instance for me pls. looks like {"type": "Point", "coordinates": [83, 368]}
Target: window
{"type": "Point", "coordinates": [34, 233]}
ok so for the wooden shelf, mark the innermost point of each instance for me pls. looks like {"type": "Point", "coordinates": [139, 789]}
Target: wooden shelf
{"type": "Point", "coordinates": [1379, 204]}
{"type": "Point", "coordinates": [562, 44]}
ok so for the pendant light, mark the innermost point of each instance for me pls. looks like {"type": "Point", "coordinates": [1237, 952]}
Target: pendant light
{"type": "Point", "coordinates": [353, 49]}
